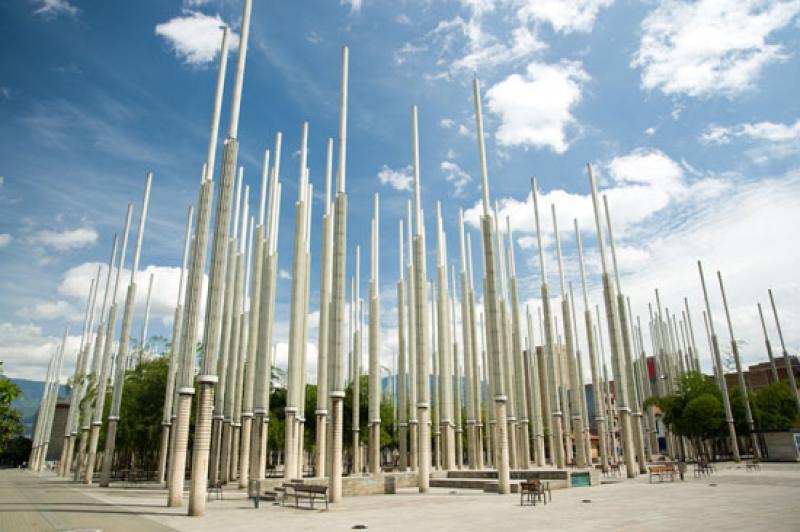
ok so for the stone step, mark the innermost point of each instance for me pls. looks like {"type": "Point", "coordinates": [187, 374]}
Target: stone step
{"type": "Point", "coordinates": [515, 474]}
{"type": "Point", "coordinates": [485, 484]}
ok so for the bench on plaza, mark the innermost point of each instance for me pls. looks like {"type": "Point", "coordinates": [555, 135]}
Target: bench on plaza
{"type": "Point", "coordinates": [613, 469]}
{"type": "Point", "coordinates": [309, 492]}
{"type": "Point", "coordinates": [216, 489]}
{"type": "Point", "coordinates": [703, 467]}
{"type": "Point", "coordinates": [752, 465]}
{"type": "Point", "coordinates": [662, 472]}
{"type": "Point", "coordinates": [532, 490]}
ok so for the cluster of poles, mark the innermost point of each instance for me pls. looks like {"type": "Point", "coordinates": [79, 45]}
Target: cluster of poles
{"type": "Point", "coordinates": [524, 406]}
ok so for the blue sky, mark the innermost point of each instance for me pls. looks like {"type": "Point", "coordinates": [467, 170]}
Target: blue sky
{"type": "Point", "coordinates": [687, 111]}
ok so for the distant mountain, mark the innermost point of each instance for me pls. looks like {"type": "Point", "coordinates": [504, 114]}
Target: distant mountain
{"type": "Point", "coordinates": [28, 402]}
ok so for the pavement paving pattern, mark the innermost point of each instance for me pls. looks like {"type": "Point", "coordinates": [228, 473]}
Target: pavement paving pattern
{"type": "Point", "coordinates": [732, 499]}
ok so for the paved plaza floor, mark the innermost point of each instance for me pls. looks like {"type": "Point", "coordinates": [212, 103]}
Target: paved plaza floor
{"type": "Point", "coordinates": [732, 500]}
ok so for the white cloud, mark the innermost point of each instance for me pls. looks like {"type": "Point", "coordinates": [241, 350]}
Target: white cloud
{"type": "Point", "coordinates": [48, 310]}
{"type": "Point", "coordinates": [5, 239]}
{"type": "Point", "coordinates": [447, 123]}
{"type": "Point", "coordinates": [313, 37]}
{"type": "Point", "coordinates": [51, 9]}
{"type": "Point", "coordinates": [355, 5]}
{"type": "Point", "coordinates": [566, 16]}
{"type": "Point", "coordinates": [74, 287]}
{"type": "Point", "coordinates": [26, 351]}
{"type": "Point", "coordinates": [454, 175]}
{"type": "Point", "coordinates": [768, 141]}
{"type": "Point", "coordinates": [535, 109]}
{"type": "Point", "coordinates": [640, 184]}
{"type": "Point", "coordinates": [195, 37]}
{"type": "Point", "coordinates": [712, 46]}
{"type": "Point", "coordinates": [766, 131]}
{"type": "Point", "coordinates": [397, 179]}
{"type": "Point", "coordinates": [464, 44]}
{"type": "Point", "coordinates": [283, 274]}
{"type": "Point", "coordinates": [66, 240]}
{"type": "Point", "coordinates": [650, 131]}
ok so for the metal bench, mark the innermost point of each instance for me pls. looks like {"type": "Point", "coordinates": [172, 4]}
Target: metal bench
{"type": "Point", "coordinates": [310, 492]}
{"type": "Point", "coordinates": [532, 490]}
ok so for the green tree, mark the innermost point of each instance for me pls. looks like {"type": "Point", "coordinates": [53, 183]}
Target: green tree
{"type": "Point", "coordinates": [10, 419]}
{"type": "Point", "coordinates": [774, 407]}
{"type": "Point", "coordinates": [695, 410]}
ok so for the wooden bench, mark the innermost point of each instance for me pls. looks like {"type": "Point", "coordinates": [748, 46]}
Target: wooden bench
{"type": "Point", "coordinates": [532, 490]}
{"type": "Point", "coordinates": [662, 472]}
{"type": "Point", "coordinates": [311, 492]}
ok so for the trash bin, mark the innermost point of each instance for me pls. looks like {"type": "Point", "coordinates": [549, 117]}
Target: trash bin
{"type": "Point", "coordinates": [389, 485]}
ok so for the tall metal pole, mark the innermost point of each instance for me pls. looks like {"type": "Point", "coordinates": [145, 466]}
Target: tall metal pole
{"type": "Point", "coordinates": [401, 359]}
{"type": "Point", "coordinates": [324, 319]}
{"type": "Point", "coordinates": [624, 326]}
{"type": "Point", "coordinates": [208, 379]}
{"type": "Point", "coordinates": [467, 331]}
{"type": "Point", "coordinates": [575, 384]}
{"type": "Point", "coordinates": [614, 333]}
{"type": "Point", "coordinates": [105, 369]}
{"type": "Point", "coordinates": [422, 318]}
{"type": "Point", "coordinates": [742, 387]}
{"type": "Point", "coordinates": [535, 395]}
{"type": "Point", "coordinates": [457, 388]}
{"type": "Point", "coordinates": [772, 366]}
{"type": "Point", "coordinates": [146, 321]}
{"type": "Point", "coordinates": [718, 360]}
{"type": "Point", "coordinates": [491, 303]}
{"type": "Point", "coordinates": [374, 400]}
{"type": "Point", "coordinates": [597, 384]}
{"type": "Point", "coordinates": [124, 344]}
{"type": "Point", "coordinates": [185, 378]}
{"type": "Point", "coordinates": [166, 419]}
{"type": "Point", "coordinates": [297, 346]}
{"type": "Point", "coordinates": [444, 348]}
{"type": "Point", "coordinates": [252, 332]}
{"type": "Point", "coordinates": [520, 392]}
{"type": "Point", "coordinates": [786, 360]}
{"type": "Point", "coordinates": [336, 344]}
{"type": "Point", "coordinates": [78, 379]}
{"type": "Point", "coordinates": [552, 401]}
{"type": "Point", "coordinates": [86, 414]}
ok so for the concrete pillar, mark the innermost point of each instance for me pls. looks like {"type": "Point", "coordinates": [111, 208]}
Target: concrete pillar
{"type": "Point", "coordinates": [336, 343]}
{"type": "Point", "coordinates": [576, 386]}
{"type": "Point", "coordinates": [124, 341]}
{"type": "Point", "coordinates": [786, 361]}
{"type": "Point", "coordinates": [491, 303]}
{"type": "Point", "coordinates": [627, 350]}
{"type": "Point", "coordinates": [734, 444]}
{"type": "Point", "coordinates": [614, 333]}
{"type": "Point", "coordinates": [552, 399]}
{"type": "Point", "coordinates": [402, 418]}
{"type": "Point", "coordinates": [768, 345]}
{"type": "Point", "coordinates": [422, 332]}
{"type": "Point", "coordinates": [207, 379]}
{"type": "Point", "coordinates": [413, 422]}
{"type": "Point", "coordinates": [79, 376]}
{"type": "Point", "coordinates": [742, 388]}
{"type": "Point", "coordinates": [374, 411]}
{"type": "Point", "coordinates": [324, 319]}
{"type": "Point", "coordinates": [189, 328]}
